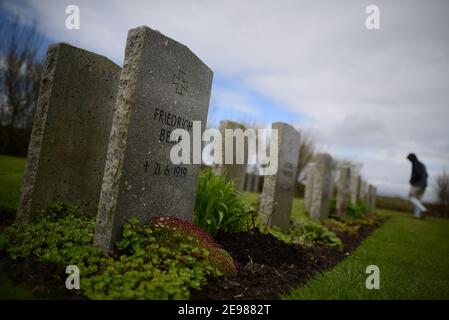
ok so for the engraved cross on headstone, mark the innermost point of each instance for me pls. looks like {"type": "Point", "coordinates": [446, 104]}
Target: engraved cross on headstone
{"type": "Point", "coordinates": [180, 82]}
{"type": "Point", "coordinates": [146, 165]}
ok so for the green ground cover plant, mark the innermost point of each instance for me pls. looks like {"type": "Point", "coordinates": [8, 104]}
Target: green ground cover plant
{"type": "Point", "coordinates": [356, 210]}
{"type": "Point", "coordinates": [162, 260]}
{"type": "Point", "coordinates": [303, 230]}
{"type": "Point", "coordinates": [307, 232]}
{"type": "Point", "coordinates": [342, 225]}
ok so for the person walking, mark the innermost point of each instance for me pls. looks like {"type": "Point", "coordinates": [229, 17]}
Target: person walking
{"type": "Point", "coordinates": [418, 182]}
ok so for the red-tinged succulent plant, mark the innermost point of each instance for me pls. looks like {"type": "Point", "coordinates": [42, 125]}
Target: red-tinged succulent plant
{"type": "Point", "coordinates": [216, 254]}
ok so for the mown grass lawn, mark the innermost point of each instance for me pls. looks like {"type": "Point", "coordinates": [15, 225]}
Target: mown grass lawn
{"type": "Point", "coordinates": [413, 258]}
{"type": "Point", "coordinates": [11, 172]}
{"type": "Point", "coordinates": [413, 255]}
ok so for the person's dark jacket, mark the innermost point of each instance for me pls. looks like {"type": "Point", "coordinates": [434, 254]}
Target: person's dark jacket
{"type": "Point", "coordinates": [419, 173]}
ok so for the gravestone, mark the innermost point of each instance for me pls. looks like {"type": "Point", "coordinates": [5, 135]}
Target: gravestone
{"type": "Point", "coordinates": [372, 198]}
{"type": "Point", "coordinates": [344, 184]}
{"type": "Point", "coordinates": [277, 195]}
{"type": "Point", "coordinates": [260, 184]}
{"type": "Point", "coordinates": [333, 187]}
{"type": "Point", "coordinates": [246, 187]}
{"type": "Point", "coordinates": [249, 182]}
{"type": "Point", "coordinates": [256, 182]}
{"type": "Point", "coordinates": [319, 207]}
{"type": "Point", "coordinates": [308, 188]}
{"type": "Point", "coordinates": [355, 189]}
{"type": "Point", "coordinates": [369, 195]}
{"type": "Point", "coordinates": [68, 145]}
{"type": "Point", "coordinates": [163, 86]}
{"type": "Point", "coordinates": [363, 191]}
{"type": "Point", "coordinates": [232, 172]}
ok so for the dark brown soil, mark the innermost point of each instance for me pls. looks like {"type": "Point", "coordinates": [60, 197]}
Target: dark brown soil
{"type": "Point", "coordinates": [43, 279]}
{"type": "Point", "coordinates": [7, 216]}
{"type": "Point", "coordinates": [268, 268]}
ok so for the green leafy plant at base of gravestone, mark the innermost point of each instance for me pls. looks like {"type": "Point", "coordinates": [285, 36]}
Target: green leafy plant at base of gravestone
{"type": "Point", "coordinates": [304, 230]}
{"type": "Point", "coordinates": [162, 260]}
{"type": "Point", "coordinates": [166, 230]}
{"type": "Point", "coordinates": [60, 234]}
{"type": "Point", "coordinates": [219, 206]}
{"type": "Point", "coordinates": [355, 211]}
{"type": "Point", "coordinates": [367, 219]}
{"type": "Point", "coordinates": [342, 225]}
{"type": "Point", "coordinates": [307, 232]}
{"type": "Point", "coordinates": [332, 206]}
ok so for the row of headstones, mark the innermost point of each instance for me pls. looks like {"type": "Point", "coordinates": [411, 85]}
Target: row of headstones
{"type": "Point", "coordinates": [101, 133]}
{"type": "Point", "coordinates": [101, 137]}
{"type": "Point", "coordinates": [278, 190]}
{"type": "Point", "coordinates": [238, 173]}
{"type": "Point", "coordinates": [350, 189]}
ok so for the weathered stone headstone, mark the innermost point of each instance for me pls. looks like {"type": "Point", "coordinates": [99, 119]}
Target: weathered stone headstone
{"type": "Point", "coordinates": [277, 196]}
{"type": "Point", "coordinates": [246, 187]}
{"type": "Point", "coordinates": [363, 191]}
{"type": "Point", "coordinates": [67, 150]}
{"type": "Point", "coordinates": [256, 182]}
{"type": "Point", "coordinates": [355, 189]}
{"type": "Point", "coordinates": [249, 182]}
{"type": "Point", "coordinates": [163, 86]}
{"type": "Point", "coordinates": [319, 207]}
{"type": "Point", "coordinates": [333, 184]}
{"type": "Point", "coordinates": [344, 184]}
{"type": "Point", "coordinates": [260, 184]}
{"type": "Point", "coordinates": [232, 172]}
{"type": "Point", "coordinates": [369, 195]}
{"type": "Point", "coordinates": [308, 188]}
{"type": "Point", "coordinates": [371, 201]}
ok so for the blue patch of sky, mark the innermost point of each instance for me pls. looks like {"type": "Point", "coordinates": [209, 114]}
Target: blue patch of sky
{"type": "Point", "coordinates": [258, 108]}
{"type": "Point", "coordinates": [433, 167]}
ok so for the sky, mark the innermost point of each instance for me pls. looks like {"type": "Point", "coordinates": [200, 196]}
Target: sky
{"type": "Point", "coordinates": [370, 96]}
